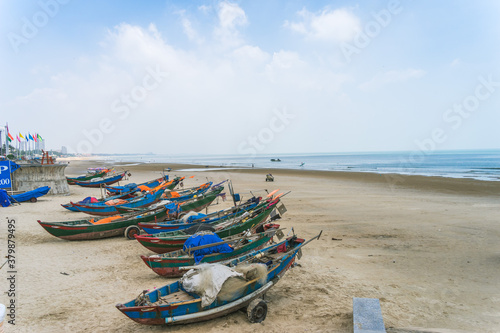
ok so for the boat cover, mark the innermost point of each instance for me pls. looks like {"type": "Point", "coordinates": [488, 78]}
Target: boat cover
{"type": "Point", "coordinates": [26, 196]}
{"type": "Point", "coordinates": [205, 238]}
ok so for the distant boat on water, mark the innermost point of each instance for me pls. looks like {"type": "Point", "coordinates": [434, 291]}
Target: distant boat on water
{"type": "Point", "coordinates": [275, 160]}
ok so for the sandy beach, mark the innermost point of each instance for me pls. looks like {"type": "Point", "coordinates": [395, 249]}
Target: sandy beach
{"type": "Point", "coordinates": [427, 247]}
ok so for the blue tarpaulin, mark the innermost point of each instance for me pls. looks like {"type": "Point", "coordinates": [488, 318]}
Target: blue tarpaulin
{"type": "Point", "coordinates": [4, 198]}
{"type": "Point", "coordinates": [205, 239]}
{"type": "Point", "coordinates": [173, 208]}
{"type": "Point", "coordinates": [26, 196]}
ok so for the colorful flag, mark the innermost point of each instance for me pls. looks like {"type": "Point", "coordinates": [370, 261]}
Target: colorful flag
{"type": "Point", "coordinates": [39, 137]}
{"type": "Point", "coordinates": [9, 136]}
{"type": "Point", "coordinates": [31, 138]}
{"type": "Point", "coordinates": [21, 136]}
{"type": "Point", "coordinates": [17, 137]}
{"type": "Point", "coordinates": [34, 137]}
{"type": "Point", "coordinates": [27, 138]}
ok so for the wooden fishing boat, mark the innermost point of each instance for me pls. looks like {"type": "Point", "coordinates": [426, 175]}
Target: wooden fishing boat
{"type": "Point", "coordinates": [171, 241]}
{"type": "Point", "coordinates": [183, 302]}
{"type": "Point", "coordinates": [104, 227]}
{"type": "Point", "coordinates": [71, 180]}
{"type": "Point", "coordinates": [143, 186]}
{"type": "Point", "coordinates": [179, 224]}
{"type": "Point", "coordinates": [168, 264]}
{"type": "Point", "coordinates": [121, 224]}
{"type": "Point", "coordinates": [93, 201]}
{"type": "Point", "coordinates": [109, 209]}
{"type": "Point", "coordinates": [98, 183]}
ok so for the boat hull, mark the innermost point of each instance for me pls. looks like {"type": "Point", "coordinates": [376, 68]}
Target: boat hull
{"type": "Point", "coordinates": [170, 267]}
{"type": "Point", "coordinates": [167, 244]}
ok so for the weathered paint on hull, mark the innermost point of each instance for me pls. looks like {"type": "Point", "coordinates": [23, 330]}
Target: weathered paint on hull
{"type": "Point", "coordinates": [159, 245]}
{"type": "Point", "coordinates": [112, 180]}
{"type": "Point", "coordinates": [87, 232]}
{"type": "Point", "coordinates": [158, 314]}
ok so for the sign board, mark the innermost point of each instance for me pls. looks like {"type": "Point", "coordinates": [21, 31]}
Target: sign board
{"type": "Point", "coordinates": [6, 168]}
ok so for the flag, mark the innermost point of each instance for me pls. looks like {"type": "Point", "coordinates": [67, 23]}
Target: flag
{"type": "Point", "coordinates": [21, 136]}
{"type": "Point", "coordinates": [18, 140]}
{"type": "Point", "coordinates": [34, 137]}
{"type": "Point", "coordinates": [31, 138]}
{"type": "Point", "coordinates": [9, 136]}
{"type": "Point", "coordinates": [27, 138]}
{"type": "Point", "coordinates": [39, 137]}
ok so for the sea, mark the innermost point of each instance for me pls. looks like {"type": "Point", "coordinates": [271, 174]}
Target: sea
{"type": "Point", "coordinates": [474, 164]}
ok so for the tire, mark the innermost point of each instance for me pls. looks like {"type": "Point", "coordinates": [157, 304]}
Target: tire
{"type": "Point", "coordinates": [131, 231]}
{"type": "Point", "coordinates": [33, 200]}
{"type": "Point", "coordinates": [257, 311]}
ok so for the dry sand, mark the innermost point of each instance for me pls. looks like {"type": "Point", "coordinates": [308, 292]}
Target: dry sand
{"type": "Point", "coordinates": [427, 247]}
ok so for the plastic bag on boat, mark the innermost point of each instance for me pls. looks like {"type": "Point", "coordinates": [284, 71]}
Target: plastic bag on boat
{"type": "Point", "coordinates": [205, 238]}
{"type": "Point", "coordinates": [206, 281]}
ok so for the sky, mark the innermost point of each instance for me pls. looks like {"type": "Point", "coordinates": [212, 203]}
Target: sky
{"type": "Point", "coordinates": [251, 77]}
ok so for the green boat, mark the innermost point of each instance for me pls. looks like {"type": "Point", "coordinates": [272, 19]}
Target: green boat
{"type": "Point", "coordinates": [71, 180]}
{"type": "Point", "coordinates": [170, 241]}
{"type": "Point", "coordinates": [170, 264]}
{"type": "Point", "coordinates": [122, 224]}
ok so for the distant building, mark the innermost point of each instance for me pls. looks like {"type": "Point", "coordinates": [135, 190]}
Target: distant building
{"type": "Point", "coordinates": [64, 150]}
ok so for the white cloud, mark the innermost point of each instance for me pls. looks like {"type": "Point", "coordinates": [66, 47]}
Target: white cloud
{"type": "Point", "coordinates": [338, 25]}
{"type": "Point", "coordinates": [230, 17]}
{"type": "Point", "coordinates": [392, 76]}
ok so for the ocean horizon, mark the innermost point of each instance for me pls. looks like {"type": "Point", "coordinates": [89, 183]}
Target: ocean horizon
{"type": "Point", "coordinates": [472, 164]}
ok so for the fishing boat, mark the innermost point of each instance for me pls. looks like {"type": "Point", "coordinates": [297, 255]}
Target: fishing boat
{"type": "Point", "coordinates": [184, 223]}
{"type": "Point", "coordinates": [97, 182]}
{"type": "Point", "coordinates": [89, 176]}
{"type": "Point", "coordinates": [121, 224]}
{"type": "Point", "coordinates": [144, 186]}
{"type": "Point", "coordinates": [169, 264]}
{"type": "Point", "coordinates": [30, 195]}
{"type": "Point", "coordinates": [247, 279]}
{"type": "Point", "coordinates": [91, 228]}
{"type": "Point", "coordinates": [171, 241]}
{"type": "Point", "coordinates": [194, 201]}
{"type": "Point", "coordinates": [110, 207]}
{"type": "Point", "coordinates": [94, 201]}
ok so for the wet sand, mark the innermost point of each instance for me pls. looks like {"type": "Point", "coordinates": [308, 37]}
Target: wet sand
{"type": "Point", "coordinates": [427, 247]}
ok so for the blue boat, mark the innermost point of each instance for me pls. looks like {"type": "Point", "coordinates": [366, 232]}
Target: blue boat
{"type": "Point", "coordinates": [134, 186]}
{"type": "Point", "coordinates": [93, 201]}
{"type": "Point", "coordinates": [184, 302]}
{"type": "Point", "coordinates": [108, 209]}
{"type": "Point", "coordinates": [30, 195]}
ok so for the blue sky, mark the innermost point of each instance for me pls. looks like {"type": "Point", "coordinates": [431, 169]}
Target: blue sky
{"type": "Point", "coordinates": [252, 77]}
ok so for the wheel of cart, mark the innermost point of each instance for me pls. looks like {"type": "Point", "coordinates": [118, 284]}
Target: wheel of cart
{"type": "Point", "coordinates": [257, 310]}
{"type": "Point", "coordinates": [33, 199]}
{"type": "Point", "coordinates": [131, 231]}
